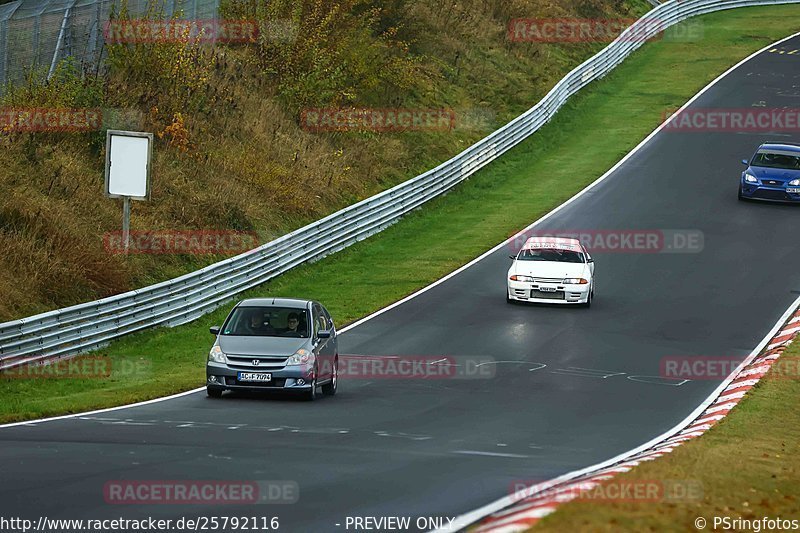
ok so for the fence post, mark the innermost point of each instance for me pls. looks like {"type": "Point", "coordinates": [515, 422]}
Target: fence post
{"type": "Point", "coordinates": [59, 41]}
{"type": "Point", "coordinates": [3, 51]}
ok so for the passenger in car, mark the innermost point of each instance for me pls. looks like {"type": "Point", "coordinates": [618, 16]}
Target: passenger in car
{"type": "Point", "coordinates": [259, 325]}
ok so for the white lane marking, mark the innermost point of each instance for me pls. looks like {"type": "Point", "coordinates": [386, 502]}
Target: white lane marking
{"type": "Point", "coordinates": [658, 380]}
{"type": "Point", "coordinates": [491, 454]}
{"type": "Point", "coordinates": [586, 372]}
{"type": "Point", "coordinates": [106, 410]}
{"type": "Point", "coordinates": [539, 367]}
{"type": "Point", "coordinates": [212, 456]}
{"type": "Point", "coordinates": [473, 516]}
{"type": "Point", "coordinates": [401, 435]}
{"type": "Point", "coordinates": [506, 362]}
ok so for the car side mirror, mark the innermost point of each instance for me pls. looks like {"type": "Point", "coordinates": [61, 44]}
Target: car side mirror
{"type": "Point", "coordinates": [590, 260]}
{"type": "Point", "coordinates": [214, 330]}
{"type": "Point", "coordinates": [512, 256]}
{"type": "Point", "coordinates": [744, 162]}
{"type": "Point", "coordinates": [324, 334]}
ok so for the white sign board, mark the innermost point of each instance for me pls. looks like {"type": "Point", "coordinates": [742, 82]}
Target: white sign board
{"type": "Point", "coordinates": [128, 164]}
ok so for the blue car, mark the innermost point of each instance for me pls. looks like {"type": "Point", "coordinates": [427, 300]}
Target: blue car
{"type": "Point", "coordinates": [773, 174]}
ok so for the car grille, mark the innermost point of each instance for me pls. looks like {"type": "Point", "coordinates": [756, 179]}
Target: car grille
{"type": "Point", "coordinates": [557, 295]}
{"type": "Point", "coordinates": [765, 194]}
{"type": "Point", "coordinates": [548, 280]}
{"type": "Point", "coordinates": [265, 362]}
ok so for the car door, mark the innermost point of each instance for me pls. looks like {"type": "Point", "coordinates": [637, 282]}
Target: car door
{"type": "Point", "coordinates": [333, 343]}
{"type": "Point", "coordinates": [324, 348]}
{"type": "Point", "coordinates": [590, 262]}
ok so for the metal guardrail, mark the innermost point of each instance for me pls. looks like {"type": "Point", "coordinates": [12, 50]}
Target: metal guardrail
{"type": "Point", "coordinates": [71, 330]}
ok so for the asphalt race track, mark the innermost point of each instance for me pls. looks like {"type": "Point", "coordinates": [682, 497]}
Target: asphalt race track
{"type": "Point", "coordinates": [569, 387]}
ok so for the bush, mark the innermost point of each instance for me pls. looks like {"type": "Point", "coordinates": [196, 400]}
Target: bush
{"type": "Point", "coordinates": [329, 52]}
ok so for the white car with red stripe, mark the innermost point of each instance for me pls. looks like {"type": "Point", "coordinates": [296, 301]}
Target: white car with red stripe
{"type": "Point", "coordinates": [554, 270]}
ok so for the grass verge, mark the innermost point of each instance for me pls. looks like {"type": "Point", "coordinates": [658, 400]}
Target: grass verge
{"type": "Point", "coordinates": [544, 172]}
{"type": "Point", "coordinates": [761, 479]}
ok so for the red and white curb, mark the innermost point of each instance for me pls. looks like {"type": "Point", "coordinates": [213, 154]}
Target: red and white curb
{"type": "Point", "coordinates": [526, 512]}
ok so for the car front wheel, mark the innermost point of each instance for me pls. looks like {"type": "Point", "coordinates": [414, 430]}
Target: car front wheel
{"type": "Point", "coordinates": [214, 392]}
{"type": "Point", "coordinates": [329, 389]}
{"type": "Point", "coordinates": [589, 298]}
{"type": "Point", "coordinates": [311, 394]}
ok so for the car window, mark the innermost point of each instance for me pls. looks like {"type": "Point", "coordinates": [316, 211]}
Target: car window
{"type": "Point", "coordinates": [328, 319]}
{"type": "Point", "coordinates": [772, 160]}
{"type": "Point", "coordinates": [319, 320]}
{"type": "Point", "coordinates": [550, 254]}
{"type": "Point", "coordinates": [267, 322]}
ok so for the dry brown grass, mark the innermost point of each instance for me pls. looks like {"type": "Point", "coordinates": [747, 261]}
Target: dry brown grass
{"type": "Point", "coordinates": [230, 153]}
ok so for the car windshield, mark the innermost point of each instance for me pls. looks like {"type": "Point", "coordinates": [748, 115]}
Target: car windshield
{"type": "Point", "coordinates": [772, 160]}
{"type": "Point", "coordinates": [267, 322]}
{"type": "Point", "coordinates": [550, 254]}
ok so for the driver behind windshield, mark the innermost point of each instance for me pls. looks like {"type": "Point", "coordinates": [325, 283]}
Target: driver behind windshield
{"type": "Point", "coordinates": [293, 325]}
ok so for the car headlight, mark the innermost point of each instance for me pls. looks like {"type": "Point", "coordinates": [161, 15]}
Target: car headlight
{"type": "Point", "coordinates": [300, 357]}
{"type": "Point", "coordinates": [575, 281]}
{"type": "Point", "coordinates": [794, 183]}
{"type": "Point", "coordinates": [517, 277]}
{"type": "Point", "coordinates": [749, 178]}
{"type": "Point", "coordinates": [217, 355]}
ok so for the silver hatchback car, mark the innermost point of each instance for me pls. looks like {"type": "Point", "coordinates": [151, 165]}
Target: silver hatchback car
{"type": "Point", "coordinates": [274, 344]}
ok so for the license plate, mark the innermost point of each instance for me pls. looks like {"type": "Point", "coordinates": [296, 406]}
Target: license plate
{"type": "Point", "coordinates": [257, 377]}
{"type": "Point", "coordinates": [795, 190]}
{"type": "Point", "coordinates": [547, 289]}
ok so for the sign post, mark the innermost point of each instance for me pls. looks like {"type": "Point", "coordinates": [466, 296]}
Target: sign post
{"type": "Point", "coordinates": [128, 155]}
{"type": "Point", "coordinates": [126, 222]}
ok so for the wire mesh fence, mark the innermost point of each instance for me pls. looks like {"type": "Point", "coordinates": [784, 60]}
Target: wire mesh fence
{"type": "Point", "coordinates": [37, 34]}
